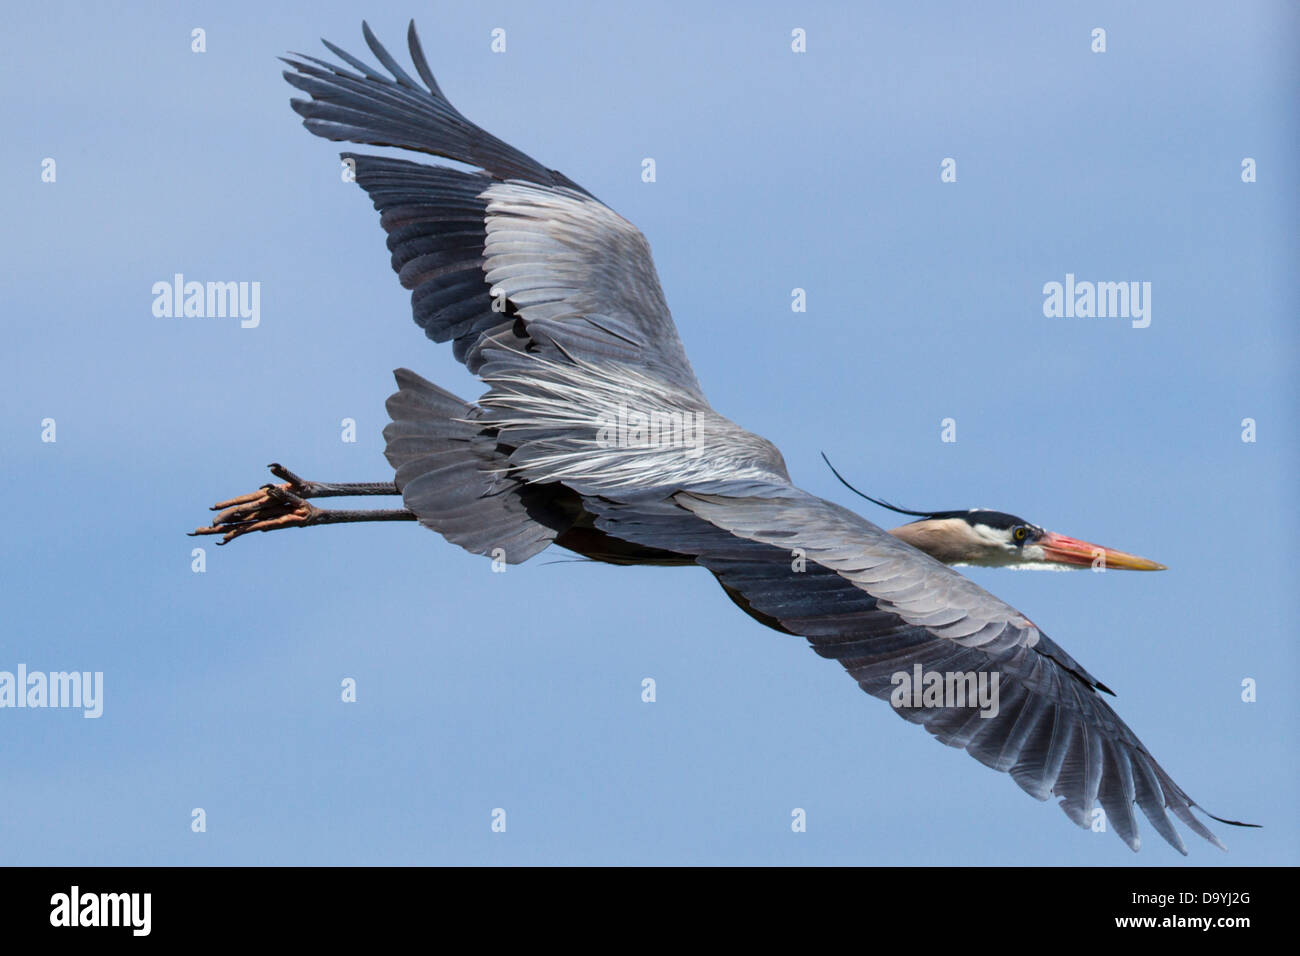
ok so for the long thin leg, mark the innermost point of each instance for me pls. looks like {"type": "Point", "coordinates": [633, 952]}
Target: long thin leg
{"type": "Point", "coordinates": [285, 506]}
{"type": "Point", "coordinates": [314, 489]}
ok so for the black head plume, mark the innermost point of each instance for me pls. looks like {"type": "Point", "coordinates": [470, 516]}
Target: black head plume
{"type": "Point", "coordinates": [994, 519]}
{"type": "Point", "coordinates": [884, 504]}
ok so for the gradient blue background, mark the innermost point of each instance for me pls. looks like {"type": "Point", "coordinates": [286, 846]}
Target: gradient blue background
{"type": "Point", "coordinates": [522, 690]}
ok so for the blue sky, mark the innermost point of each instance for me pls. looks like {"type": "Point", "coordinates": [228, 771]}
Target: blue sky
{"type": "Point", "coordinates": [774, 171]}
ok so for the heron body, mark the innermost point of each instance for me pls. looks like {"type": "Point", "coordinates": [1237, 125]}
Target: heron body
{"type": "Point", "coordinates": [595, 435]}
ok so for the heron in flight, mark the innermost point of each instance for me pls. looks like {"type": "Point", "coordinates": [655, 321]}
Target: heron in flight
{"type": "Point", "coordinates": [595, 435]}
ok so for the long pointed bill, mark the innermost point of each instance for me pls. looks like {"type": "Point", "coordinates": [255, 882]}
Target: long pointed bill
{"type": "Point", "coordinates": [1057, 547]}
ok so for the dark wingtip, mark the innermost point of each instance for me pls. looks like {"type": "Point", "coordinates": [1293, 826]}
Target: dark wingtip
{"type": "Point", "coordinates": [421, 62]}
{"type": "Point", "coordinates": [1231, 823]}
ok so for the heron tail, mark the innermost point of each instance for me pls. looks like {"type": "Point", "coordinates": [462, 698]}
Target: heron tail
{"type": "Point", "coordinates": [453, 474]}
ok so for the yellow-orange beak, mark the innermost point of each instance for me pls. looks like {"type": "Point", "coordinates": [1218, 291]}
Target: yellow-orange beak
{"type": "Point", "coordinates": [1057, 547]}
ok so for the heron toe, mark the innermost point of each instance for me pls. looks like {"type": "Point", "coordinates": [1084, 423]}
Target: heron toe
{"type": "Point", "coordinates": [268, 508]}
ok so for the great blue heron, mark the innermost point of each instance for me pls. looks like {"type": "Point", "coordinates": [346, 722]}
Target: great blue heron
{"type": "Point", "coordinates": [595, 435]}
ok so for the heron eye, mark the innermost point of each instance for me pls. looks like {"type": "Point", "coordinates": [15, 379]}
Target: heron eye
{"type": "Point", "coordinates": [1020, 533]}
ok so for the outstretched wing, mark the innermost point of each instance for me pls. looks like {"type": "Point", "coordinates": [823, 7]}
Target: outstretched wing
{"type": "Point", "coordinates": [882, 608]}
{"type": "Point", "coordinates": [518, 254]}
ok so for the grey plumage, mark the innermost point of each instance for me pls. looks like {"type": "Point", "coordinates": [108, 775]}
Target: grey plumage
{"type": "Point", "coordinates": [553, 300]}
{"type": "Point", "coordinates": [444, 462]}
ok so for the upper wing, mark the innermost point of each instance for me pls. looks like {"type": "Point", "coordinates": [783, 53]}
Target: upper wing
{"type": "Point", "coordinates": [881, 608]}
{"type": "Point", "coordinates": [516, 256]}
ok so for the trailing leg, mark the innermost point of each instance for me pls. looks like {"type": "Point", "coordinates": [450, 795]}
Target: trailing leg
{"type": "Point", "coordinates": [286, 506]}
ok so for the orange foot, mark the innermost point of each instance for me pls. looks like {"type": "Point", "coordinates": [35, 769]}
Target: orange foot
{"type": "Point", "coordinates": [268, 508]}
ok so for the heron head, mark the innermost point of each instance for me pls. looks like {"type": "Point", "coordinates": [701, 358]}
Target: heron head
{"type": "Point", "coordinates": [995, 539]}
{"type": "Point", "coordinates": [979, 536]}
